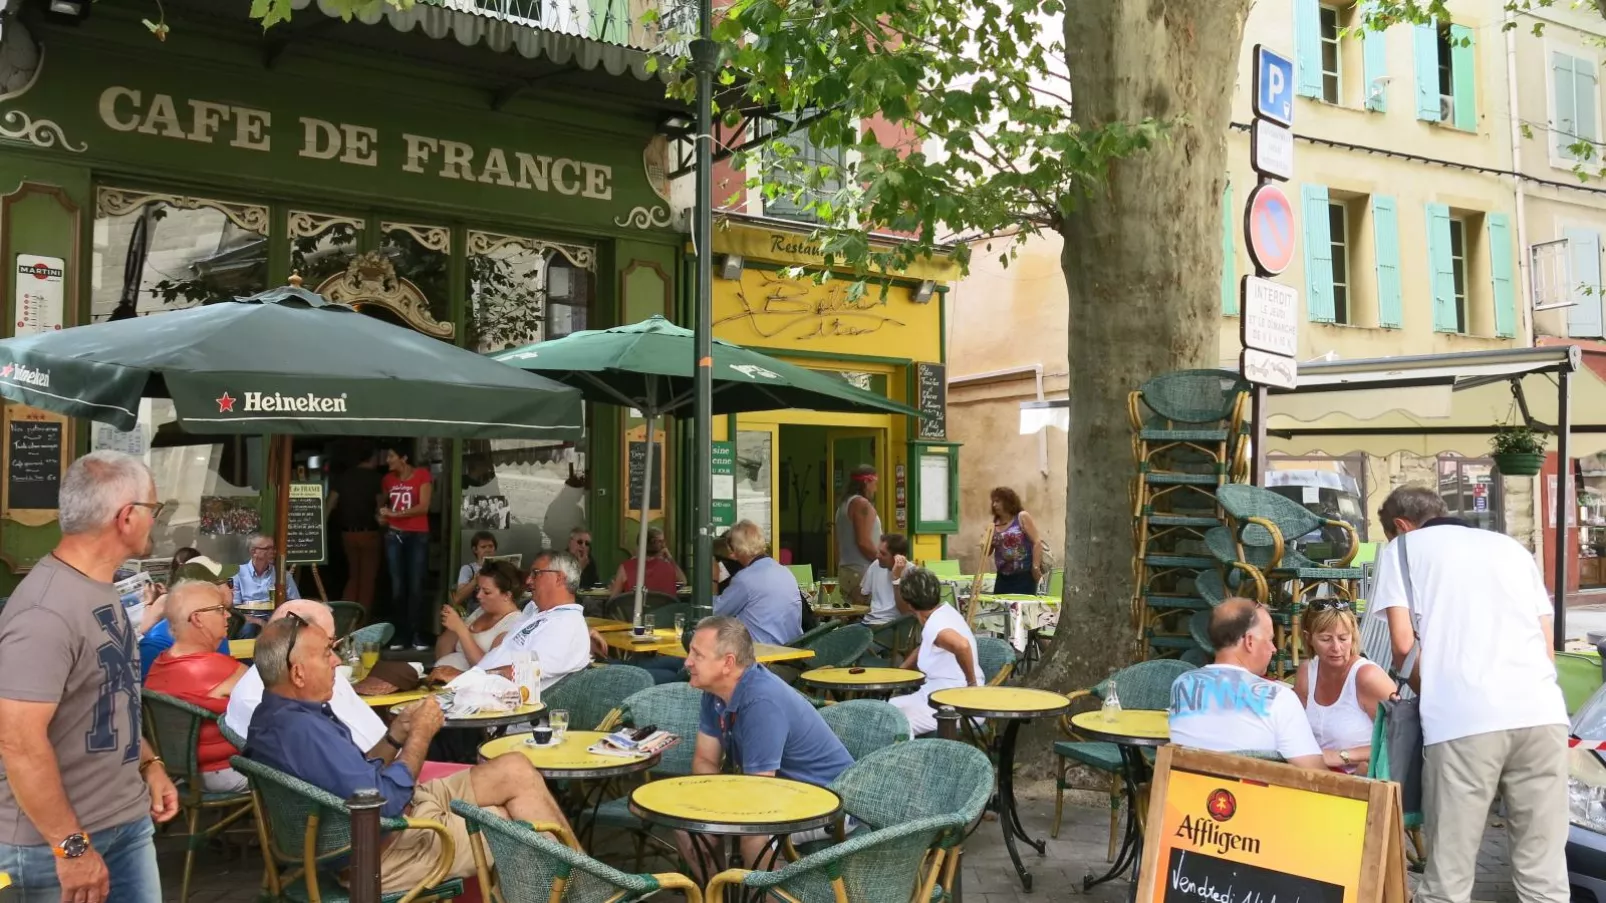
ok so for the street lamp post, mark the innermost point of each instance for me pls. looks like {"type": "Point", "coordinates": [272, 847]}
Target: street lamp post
{"type": "Point", "coordinates": [704, 59]}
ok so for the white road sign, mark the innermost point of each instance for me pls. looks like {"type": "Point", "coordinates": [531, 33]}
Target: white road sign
{"type": "Point", "coordinates": [1270, 320]}
{"type": "Point", "coordinates": [1269, 369]}
{"type": "Point", "coordinates": [1271, 149]}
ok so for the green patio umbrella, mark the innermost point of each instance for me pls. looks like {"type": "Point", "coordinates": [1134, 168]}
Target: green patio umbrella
{"type": "Point", "coordinates": [287, 362]}
{"type": "Point", "coordinates": [650, 366]}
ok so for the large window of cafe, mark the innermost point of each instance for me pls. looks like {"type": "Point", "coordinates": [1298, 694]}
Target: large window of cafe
{"type": "Point", "coordinates": [154, 253]}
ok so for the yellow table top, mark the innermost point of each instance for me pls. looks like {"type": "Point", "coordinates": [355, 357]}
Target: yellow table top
{"type": "Point", "coordinates": [1142, 724]}
{"type": "Point", "coordinates": [846, 678]}
{"type": "Point", "coordinates": [570, 755]}
{"type": "Point", "coordinates": [736, 799]}
{"type": "Point", "coordinates": [664, 640]}
{"type": "Point", "coordinates": [377, 702]}
{"type": "Point", "coordinates": [243, 648]}
{"type": "Point", "coordinates": [529, 708]}
{"type": "Point", "coordinates": [1009, 700]}
{"type": "Point", "coordinates": [603, 625]}
{"type": "Point", "coordinates": [766, 653]}
{"type": "Point", "coordinates": [847, 611]}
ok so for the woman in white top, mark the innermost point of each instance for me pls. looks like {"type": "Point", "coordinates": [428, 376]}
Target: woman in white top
{"type": "Point", "coordinates": [1339, 688]}
{"type": "Point", "coordinates": [465, 641]}
{"type": "Point", "coordinates": [947, 655]}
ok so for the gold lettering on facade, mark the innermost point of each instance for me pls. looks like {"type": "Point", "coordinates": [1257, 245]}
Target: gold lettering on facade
{"type": "Point", "coordinates": [800, 310]}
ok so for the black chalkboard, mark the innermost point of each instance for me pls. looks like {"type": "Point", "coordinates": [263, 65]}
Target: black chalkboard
{"type": "Point", "coordinates": [304, 534]}
{"type": "Point", "coordinates": [1192, 877]}
{"type": "Point", "coordinates": [931, 399]}
{"type": "Point", "coordinates": [638, 470]}
{"type": "Point", "coordinates": [33, 478]}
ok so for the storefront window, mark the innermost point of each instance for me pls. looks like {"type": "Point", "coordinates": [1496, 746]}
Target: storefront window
{"type": "Point", "coordinates": [1471, 492]}
{"type": "Point", "coordinates": [754, 500]}
{"type": "Point", "coordinates": [524, 290]}
{"type": "Point", "coordinates": [422, 255]}
{"type": "Point", "coordinates": [322, 245]}
{"type": "Point", "coordinates": [156, 252]}
{"type": "Point", "coordinates": [869, 382]}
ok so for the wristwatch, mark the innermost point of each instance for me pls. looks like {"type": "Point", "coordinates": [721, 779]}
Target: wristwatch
{"type": "Point", "coordinates": [73, 846]}
{"type": "Point", "coordinates": [1343, 756]}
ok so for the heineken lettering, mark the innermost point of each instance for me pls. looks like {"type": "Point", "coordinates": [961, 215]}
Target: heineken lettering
{"type": "Point", "coordinates": [19, 373]}
{"type": "Point", "coordinates": [274, 403]}
{"type": "Point", "coordinates": [1203, 832]}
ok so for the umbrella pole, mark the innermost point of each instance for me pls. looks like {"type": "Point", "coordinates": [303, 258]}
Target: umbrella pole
{"type": "Point", "coordinates": [641, 534]}
{"type": "Point", "coordinates": [281, 527]}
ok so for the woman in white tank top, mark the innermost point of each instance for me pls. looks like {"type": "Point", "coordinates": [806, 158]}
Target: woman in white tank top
{"type": "Point", "coordinates": [1339, 688]}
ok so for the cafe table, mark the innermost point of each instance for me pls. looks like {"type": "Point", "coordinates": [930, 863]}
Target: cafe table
{"type": "Point", "coordinates": [712, 807]}
{"type": "Point", "coordinates": [244, 650]}
{"type": "Point", "coordinates": [486, 721]}
{"type": "Point", "coordinates": [606, 625]}
{"type": "Point", "coordinates": [570, 759]}
{"type": "Point", "coordinates": [664, 641]}
{"type": "Point", "coordinates": [1131, 730]}
{"type": "Point", "coordinates": [862, 681]}
{"type": "Point", "coordinates": [390, 700]}
{"type": "Point", "coordinates": [845, 612]}
{"type": "Point", "coordinates": [1015, 706]}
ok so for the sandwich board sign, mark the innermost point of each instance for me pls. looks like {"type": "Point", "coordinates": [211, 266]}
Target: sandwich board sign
{"type": "Point", "coordinates": [1231, 829]}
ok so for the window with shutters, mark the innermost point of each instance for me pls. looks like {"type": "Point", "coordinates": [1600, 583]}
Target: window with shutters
{"type": "Point", "coordinates": [1446, 76]}
{"type": "Point", "coordinates": [1338, 238]}
{"type": "Point", "coordinates": [1574, 108]}
{"type": "Point", "coordinates": [1458, 267]}
{"type": "Point", "coordinates": [808, 175]}
{"type": "Point", "coordinates": [1466, 282]}
{"type": "Point", "coordinates": [1333, 64]}
{"type": "Point", "coordinates": [1332, 54]}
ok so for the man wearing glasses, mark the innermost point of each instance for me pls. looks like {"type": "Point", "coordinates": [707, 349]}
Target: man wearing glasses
{"type": "Point", "coordinates": [254, 581]}
{"type": "Point", "coordinates": [555, 630]}
{"type": "Point", "coordinates": [79, 788]}
{"type": "Point", "coordinates": [194, 671]}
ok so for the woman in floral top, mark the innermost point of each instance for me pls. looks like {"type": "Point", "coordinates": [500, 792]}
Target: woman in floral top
{"type": "Point", "coordinates": [1015, 542]}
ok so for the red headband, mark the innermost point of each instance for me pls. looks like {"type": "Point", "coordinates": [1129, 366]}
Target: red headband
{"type": "Point", "coordinates": [863, 477]}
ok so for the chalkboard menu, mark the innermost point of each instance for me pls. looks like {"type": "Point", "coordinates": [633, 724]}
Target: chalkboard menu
{"type": "Point", "coordinates": [33, 463]}
{"type": "Point", "coordinates": [637, 464]}
{"type": "Point", "coordinates": [931, 400]}
{"type": "Point", "coordinates": [304, 534]}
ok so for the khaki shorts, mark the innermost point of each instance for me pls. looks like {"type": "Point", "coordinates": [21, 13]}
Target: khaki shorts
{"type": "Point", "coordinates": [850, 580]}
{"type": "Point", "coordinates": [413, 854]}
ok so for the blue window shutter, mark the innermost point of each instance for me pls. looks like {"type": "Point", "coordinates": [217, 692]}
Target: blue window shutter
{"type": "Point", "coordinates": [1442, 270]}
{"type": "Point", "coordinates": [1585, 99]}
{"type": "Point", "coordinates": [1374, 63]}
{"type": "Point", "coordinates": [1425, 39]}
{"type": "Point", "coordinates": [1583, 251]}
{"type": "Point", "coordinates": [1501, 264]}
{"type": "Point", "coordinates": [1386, 251]}
{"type": "Point", "coordinates": [1308, 48]}
{"type": "Point", "coordinates": [1463, 69]}
{"type": "Point", "coordinates": [1229, 257]}
{"type": "Point", "coordinates": [1318, 255]}
{"type": "Point", "coordinates": [1565, 97]}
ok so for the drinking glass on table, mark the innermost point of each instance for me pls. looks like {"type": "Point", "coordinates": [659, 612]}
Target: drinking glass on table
{"type": "Point", "coordinates": [558, 720]}
{"type": "Point", "coordinates": [369, 652]}
{"type": "Point", "coordinates": [649, 622]}
{"type": "Point", "coordinates": [680, 623]}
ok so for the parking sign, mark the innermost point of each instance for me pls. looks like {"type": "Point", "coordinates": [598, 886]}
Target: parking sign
{"type": "Point", "coordinates": [1274, 86]}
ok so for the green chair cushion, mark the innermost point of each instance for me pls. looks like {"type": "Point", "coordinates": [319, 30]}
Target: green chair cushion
{"type": "Point", "coordinates": [1094, 754]}
{"type": "Point", "coordinates": [331, 891]}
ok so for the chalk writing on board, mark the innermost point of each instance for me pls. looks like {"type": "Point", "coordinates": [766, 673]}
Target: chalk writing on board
{"type": "Point", "coordinates": [304, 533]}
{"type": "Point", "coordinates": [1199, 878]}
{"type": "Point", "coordinates": [638, 470]}
{"type": "Point", "coordinates": [931, 400]}
{"type": "Point", "coordinates": [33, 475]}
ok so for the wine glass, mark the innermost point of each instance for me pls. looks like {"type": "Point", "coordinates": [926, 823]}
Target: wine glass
{"type": "Point", "coordinates": [558, 720]}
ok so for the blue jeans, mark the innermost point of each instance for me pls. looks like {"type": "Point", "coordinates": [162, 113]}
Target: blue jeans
{"type": "Point", "coordinates": [408, 555]}
{"type": "Point", "coordinates": [130, 859]}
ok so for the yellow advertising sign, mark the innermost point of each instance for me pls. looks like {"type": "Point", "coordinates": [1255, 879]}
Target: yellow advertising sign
{"type": "Point", "coordinates": [1228, 829]}
{"type": "Point", "coordinates": [769, 310]}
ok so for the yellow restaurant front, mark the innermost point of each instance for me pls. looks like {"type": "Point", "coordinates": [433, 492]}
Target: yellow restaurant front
{"type": "Point", "coordinates": [788, 469]}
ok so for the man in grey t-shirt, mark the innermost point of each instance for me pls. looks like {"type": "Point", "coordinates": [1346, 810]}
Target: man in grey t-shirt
{"type": "Point", "coordinates": [78, 785]}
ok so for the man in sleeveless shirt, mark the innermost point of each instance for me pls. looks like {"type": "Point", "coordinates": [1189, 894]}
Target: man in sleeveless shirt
{"type": "Point", "coordinates": [947, 653]}
{"type": "Point", "coordinates": [858, 532]}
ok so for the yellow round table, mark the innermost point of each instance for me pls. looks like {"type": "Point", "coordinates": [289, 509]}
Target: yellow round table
{"type": "Point", "coordinates": [243, 649]}
{"type": "Point", "coordinates": [829, 612]}
{"type": "Point", "coordinates": [735, 804]}
{"type": "Point", "coordinates": [1130, 730]}
{"type": "Point", "coordinates": [478, 720]}
{"type": "Point", "coordinates": [570, 758]}
{"type": "Point", "coordinates": [1130, 727]}
{"type": "Point", "coordinates": [861, 680]}
{"type": "Point", "coordinates": [389, 700]}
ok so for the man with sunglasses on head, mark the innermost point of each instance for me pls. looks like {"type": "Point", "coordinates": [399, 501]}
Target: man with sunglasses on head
{"type": "Point", "coordinates": [1229, 705]}
{"type": "Point", "coordinates": [1493, 716]}
{"type": "Point", "coordinates": [79, 787]}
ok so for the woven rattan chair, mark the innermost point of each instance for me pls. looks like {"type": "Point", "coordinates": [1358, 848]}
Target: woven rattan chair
{"type": "Point", "coordinates": [809, 638]}
{"type": "Point", "coordinates": [866, 725]}
{"type": "Point", "coordinates": [348, 617]}
{"type": "Point", "coordinates": [895, 865]}
{"type": "Point", "coordinates": [530, 865]}
{"type": "Point", "coordinates": [841, 647]}
{"type": "Point", "coordinates": [593, 696]}
{"type": "Point", "coordinates": [622, 607]}
{"type": "Point", "coordinates": [378, 634]}
{"type": "Point", "coordinates": [1189, 411]}
{"type": "Point", "coordinates": [174, 729]}
{"type": "Point", "coordinates": [1145, 685]}
{"type": "Point", "coordinates": [997, 659]}
{"type": "Point", "coordinates": [304, 830]}
{"type": "Point", "coordinates": [676, 708]}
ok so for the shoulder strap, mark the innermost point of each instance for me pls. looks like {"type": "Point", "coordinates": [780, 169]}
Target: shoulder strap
{"type": "Point", "coordinates": [1410, 603]}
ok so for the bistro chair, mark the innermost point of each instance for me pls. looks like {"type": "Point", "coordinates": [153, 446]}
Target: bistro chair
{"type": "Point", "coordinates": [1145, 685]}
{"type": "Point", "coordinates": [997, 659]}
{"type": "Point", "coordinates": [676, 708]}
{"type": "Point", "coordinates": [622, 606]}
{"type": "Point", "coordinates": [518, 862]}
{"type": "Point", "coordinates": [897, 863]}
{"type": "Point", "coordinates": [593, 696]}
{"type": "Point", "coordinates": [307, 830]}
{"type": "Point", "coordinates": [899, 638]}
{"type": "Point", "coordinates": [378, 634]}
{"type": "Point", "coordinates": [1266, 524]}
{"type": "Point", "coordinates": [348, 617]}
{"type": "Point", "coordinates": [866, 725]}
{"type": "Point", "coordinates": [947, 568]}
{"type": "Point", "coordinates": [803, 574]}
{"type": "Point", "coordinates": [808, 639]}
{"type": "Point", "coordinates": [1199, 412]}
{"type": "Point", "coordinates": [841, 647]}
{"type": "Point", "coordinates": [174, 727]}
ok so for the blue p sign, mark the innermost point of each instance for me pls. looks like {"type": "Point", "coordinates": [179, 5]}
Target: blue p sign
{"type": "Point", "coordinates": [1274, 86]}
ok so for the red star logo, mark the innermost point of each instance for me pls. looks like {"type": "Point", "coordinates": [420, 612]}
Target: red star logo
{"type": "Point", "coordinates": [7, 370]}
{"type": "Point", "coordinates": [1222, 805]}
{"type": "Point", "coordinates": [225, 404]}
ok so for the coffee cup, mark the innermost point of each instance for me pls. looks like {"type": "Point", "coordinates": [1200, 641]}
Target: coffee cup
{"type": "Point", "coordinates": [542, 735]}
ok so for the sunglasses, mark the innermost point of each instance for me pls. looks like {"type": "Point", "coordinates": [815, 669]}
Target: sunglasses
{"type": "Point", "coordinates": [295, 635]}
{"type": "Point", "coordinates": [581, 542]}
{"type": "Point", "coordinates": [1331, 605]}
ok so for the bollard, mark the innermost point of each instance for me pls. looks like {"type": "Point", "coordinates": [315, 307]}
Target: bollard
{"type": "Point", "coordinates": [364, 871]}
{"type": "Point", "coordinates": [948, 723]}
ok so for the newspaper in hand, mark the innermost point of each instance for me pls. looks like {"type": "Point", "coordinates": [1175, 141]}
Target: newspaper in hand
{"type": "Point", "coordinates": [134, 593]}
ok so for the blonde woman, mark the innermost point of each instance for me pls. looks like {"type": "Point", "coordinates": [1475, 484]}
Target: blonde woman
{"type": "Point", "coordinates": [1339, 688]}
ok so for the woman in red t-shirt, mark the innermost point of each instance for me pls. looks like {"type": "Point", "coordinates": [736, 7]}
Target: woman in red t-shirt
{"type": "Point", "coordinates": [194, 671]}
{"type": "Point", "coordinates": [407, 492]}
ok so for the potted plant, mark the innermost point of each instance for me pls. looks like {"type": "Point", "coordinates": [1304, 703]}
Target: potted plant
{"type": "Point", "coordinates": [1518, 451]}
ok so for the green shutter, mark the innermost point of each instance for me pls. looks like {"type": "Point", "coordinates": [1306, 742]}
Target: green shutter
{"type": "Point", "coordinates": [1229, 257]}
{"type": "Point", "coordinates": [1386, 251]}
{"type": "Point", "coordinates": [1308, 47]}
{"type": "Point", "coordinates": [1441, 268]}
{"type": "Point", "coordinates": [1565, 96]}
{"type": "Point", "coordinates": [1501, 263]}
{"type": "Point", "coordinates": [1318, 255]}
{"type": "Point", "coordinates": [1425, 40]}
{"type": "Point", "coordinates": [1583, 251]}
{"type": "Point", "coordinates": [1585, 99]}
{"type": "Point", "coordinates": [1464, 72]}
{"type": "Point", "coordinates": [1374, 62]}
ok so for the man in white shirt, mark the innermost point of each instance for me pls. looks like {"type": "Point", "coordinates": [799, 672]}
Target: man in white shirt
{"type": "Point", "coordinates": [891, 561]}
{"type": "Point", "coordinates": [555, 630]}
{"type": "Point", "coordinates": [1493, 716]}
{"type": "Point", "coordinates": [947, 655]}
{"type": "Point", "coordinates": [1229, 706]}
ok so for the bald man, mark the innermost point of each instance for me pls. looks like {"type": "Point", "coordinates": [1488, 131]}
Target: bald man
{"type": "Point", "coordinates": [194, 671]}
{"type": "Point", "coordinates": [1229, 706]}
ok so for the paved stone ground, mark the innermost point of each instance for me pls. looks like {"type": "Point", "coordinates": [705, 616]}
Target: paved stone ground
{"type": "Point", "coordinates": [989, 876]}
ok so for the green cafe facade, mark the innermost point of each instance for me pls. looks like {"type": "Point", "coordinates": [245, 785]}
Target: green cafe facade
{"type": "Point", "coordinates": [483, 178]}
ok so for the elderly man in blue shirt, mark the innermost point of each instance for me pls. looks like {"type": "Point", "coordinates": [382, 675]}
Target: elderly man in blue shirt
{"type": "Point", "coordinates": [295, 731]}
{"type": "Point", "coordinates": [763, 595]}
{"type": "Point", "coordinates": [253, 582]}
{"type": "Point", "coordinates": [755, 720]}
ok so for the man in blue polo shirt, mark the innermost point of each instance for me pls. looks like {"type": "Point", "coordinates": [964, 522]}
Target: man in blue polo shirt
{"type": "Point", "coordinates": [753, 719]}
{"type": "Point", "coordinates": [763, 595]}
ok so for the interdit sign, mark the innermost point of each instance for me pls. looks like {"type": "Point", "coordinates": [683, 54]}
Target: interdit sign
{"type": "Point", "coordinates": [125, 109]}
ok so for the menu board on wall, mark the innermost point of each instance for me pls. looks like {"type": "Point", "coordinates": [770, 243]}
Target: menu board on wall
{"type": "Point", "coordinates": [636, 472]}
{"type": "Point", "coordinates": [304, 540]}
{"type": "Point", "coordinates": [34, 462]}
{"type": "Point", "coordinates": [931, 400]}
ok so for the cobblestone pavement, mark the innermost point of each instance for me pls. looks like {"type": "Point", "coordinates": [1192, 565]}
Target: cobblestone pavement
{"type": "Point", "coordinates": [988, 875]}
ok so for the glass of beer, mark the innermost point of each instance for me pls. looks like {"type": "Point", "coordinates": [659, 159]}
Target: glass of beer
{"type": "Point", "coordinates": [369, 653]}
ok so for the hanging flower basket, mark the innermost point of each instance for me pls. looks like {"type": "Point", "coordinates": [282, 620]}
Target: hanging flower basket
{"type": "Point", "coordinates": [1519, 464]}
{"type": "Point", "coordinates": [1518, 451]}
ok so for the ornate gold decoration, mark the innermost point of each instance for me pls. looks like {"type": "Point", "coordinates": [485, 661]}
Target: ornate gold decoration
{"type": "Point", "coordinates": [645, 218]}
{"type": "Point", "coordinates": [38, 132]}
{"type": "Point", "coordinates": [371, 279]}
{"type": "Point", "coordinates": [310, 225]}
{"type": "Point", "coordinates": [118, 201]}
{"type": "Point", "coordinates": [582, 256]}
{"type": "Point", "coordinates": [431, 238]}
